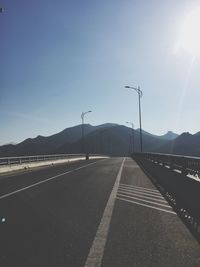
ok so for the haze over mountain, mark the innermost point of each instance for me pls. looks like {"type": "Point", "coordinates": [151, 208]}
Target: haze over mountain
{"type": "Point", "coordinates": [113, 140]}
{"type": "Point", "coordinates": [168, 136]}
{"type": "Point", "coordinates": [185, 144]}
{"type": "Point", "coordinates": [48, 144]}
{"type": "Point", "coordinates": [109, 139]}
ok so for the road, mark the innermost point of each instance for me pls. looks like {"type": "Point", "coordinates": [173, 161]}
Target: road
{"type": "Point", "coordinates": [90, 213]}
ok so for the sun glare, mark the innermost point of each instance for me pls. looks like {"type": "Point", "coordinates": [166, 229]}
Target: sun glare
{"type": "Point", "coordinates": [190, 39]}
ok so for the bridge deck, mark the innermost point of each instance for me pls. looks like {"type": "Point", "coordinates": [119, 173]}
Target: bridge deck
{"type": "Point", "coordinates": [144, 230]}
{"type": "Point", "coordinates": [51, 216]}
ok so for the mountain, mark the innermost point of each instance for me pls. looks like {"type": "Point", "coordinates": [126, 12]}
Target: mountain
{"type": "Point", "coordinates": [45, 145]}
{"type": "Point", "coordinates": [169, 136]}
{"type": "Point", "coordinates": [145, 132]}
{"type": "Point", "coordinates": [184, 144]}
{"type": "Point", "coordinates": [113, 140]}
{"type": "Point", "coordinates": [110, 139]}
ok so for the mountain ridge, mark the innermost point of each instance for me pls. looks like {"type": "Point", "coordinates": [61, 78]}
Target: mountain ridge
{"type": "Point", "coordinates": [109, 138]}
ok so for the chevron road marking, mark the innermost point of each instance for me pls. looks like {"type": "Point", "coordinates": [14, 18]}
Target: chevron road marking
{"type": "Point", "coordinates": [144, 205]}
{"type": "Point", "coordinates": [143, 193]}
{"type": "Point", "coordinates": [139, 187]}
{"type": "Point", "coordinates": [145, 197]}
{"type": "Point", "coordinates": [139, 195]}
{"type": "Point", "coordinates": [143, 200]}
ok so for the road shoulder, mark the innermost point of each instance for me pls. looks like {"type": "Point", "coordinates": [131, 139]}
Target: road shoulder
{"type": "Point", "coordinates": [143, 232]}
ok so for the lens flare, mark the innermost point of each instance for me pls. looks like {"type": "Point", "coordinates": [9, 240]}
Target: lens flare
{"type": "Point", "coordinates": [190, 39]}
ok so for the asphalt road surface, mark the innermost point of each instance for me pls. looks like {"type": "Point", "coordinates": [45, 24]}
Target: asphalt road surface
{"type": "Point", "coordinates": [90, 213]}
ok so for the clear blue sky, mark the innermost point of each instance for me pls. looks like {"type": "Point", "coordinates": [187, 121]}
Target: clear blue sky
{"type": "Point", "coordinates": [59, 58]}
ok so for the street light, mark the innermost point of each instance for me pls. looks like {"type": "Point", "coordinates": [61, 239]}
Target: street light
{"type": "Point", "coordinates": [83, 137]}
{"type": "Point", "coordinates": [132, 125]}
{"type": "Point", "coordinates": [139, 96]}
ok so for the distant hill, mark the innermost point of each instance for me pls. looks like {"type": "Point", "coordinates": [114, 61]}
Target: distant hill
{"type": "Point", "coordinates": [110, 139]}
{"type": "Point", "coordinates": [45, 145]}
{"type": "Point", "coordinates": [184, 144]}
{"type": "Point", "coordinates": [169, 136]}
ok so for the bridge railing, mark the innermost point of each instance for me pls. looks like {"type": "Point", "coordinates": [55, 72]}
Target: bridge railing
{"type": "Point", "coordinates": [5, 161]}
{"type": "Point", "coordinates": [182, 190]}
{"type": "Point", "coordinates": [185, 164]}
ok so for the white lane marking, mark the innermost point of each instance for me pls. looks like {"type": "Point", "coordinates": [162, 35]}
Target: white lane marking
{"type": "Point", "coordinates": [144, 200]}
{"type": "Point", "coordinates": [138, 195]}
{"type": "Point", "coordinates": [142, 193]}
{"type": "Point", "coordinates": [46, 180]}
{"type": "Point", "coordinates": [133, 166]}
{"type": "Point", "coordinates": [144, 205]}
{"type": "Point", "coordinates": [145, 188]}
{"type": "Point", "coordinates": [140, 188]}
{"type": "Point", "coordinates": [96, 251]}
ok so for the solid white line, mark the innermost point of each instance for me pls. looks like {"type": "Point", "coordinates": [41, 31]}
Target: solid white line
{"type": "Point", "coordinates": [142, 193]}
{"type": "Point", "coordinates": [147, 201]}
{"type": "Point", "coordinates": [96, 252]}
{"type": "Point", "coordinates": [46, 180]}
{"type": "Point", "coordinates": [140, 187]}
{"type": "Point", "coordinates": [144, 205]}
{"type": "Point", "coordinates": [138, 195]}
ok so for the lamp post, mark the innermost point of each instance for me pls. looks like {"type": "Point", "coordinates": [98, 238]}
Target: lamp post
{"type": "Point", "coordinates": [139, 96]}
{"type": "Point", "coordinates": [132, 125]}
{"type": "Point", "coordinates": [83, 137]}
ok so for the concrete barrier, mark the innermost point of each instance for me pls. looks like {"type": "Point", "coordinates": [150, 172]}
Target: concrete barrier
{"type": "Point", "coordinates": [30, 165]}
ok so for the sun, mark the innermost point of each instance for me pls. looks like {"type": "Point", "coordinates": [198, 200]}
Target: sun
{"type": "Point", "coordinates": [190, 38]}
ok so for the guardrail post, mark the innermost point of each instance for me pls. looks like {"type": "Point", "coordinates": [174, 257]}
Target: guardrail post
{"type": "Point", "coordinates": [184, 167]}
{"type": "Point", "coordinates": [171, 163]}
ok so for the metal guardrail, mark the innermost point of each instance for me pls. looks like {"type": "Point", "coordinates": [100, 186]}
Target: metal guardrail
{"type": "Point", "coordinates": [182, 192]}
{"type": "Point", "coordinates": [5, 161]}
{"type": "Point", "coordinates": [186, 165]}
